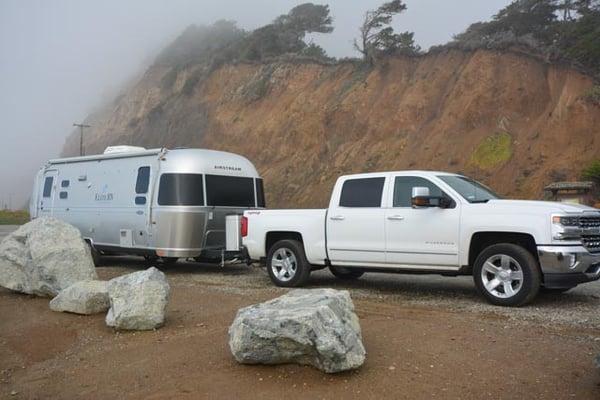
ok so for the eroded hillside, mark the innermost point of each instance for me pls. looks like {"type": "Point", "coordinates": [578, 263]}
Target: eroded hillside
{"type": "Point", "coordinates": [510, 120]}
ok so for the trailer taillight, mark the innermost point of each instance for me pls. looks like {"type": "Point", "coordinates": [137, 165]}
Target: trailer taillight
{"type": "Point", "coordinates": [244, 227]}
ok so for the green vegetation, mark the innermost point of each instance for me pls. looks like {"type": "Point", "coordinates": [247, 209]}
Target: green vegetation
{"type": "Point", "coordinates": [493, 151]}
{"type": "Point", "coordinates": [377, 37]}
{"type": "Point", "coordinates": [593, 95]}
{"type": "Point", "coordinates": [9, 217]}
{"type": "Point", "coordinates": [223, 42]}
{"type": "Point", "coordinates": [555, 29]}
{"type": "Point", "coordinates": [592, 171]}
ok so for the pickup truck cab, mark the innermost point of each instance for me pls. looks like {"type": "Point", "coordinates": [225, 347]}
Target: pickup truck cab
{"type": "Point", "coordinates": [431, 222]}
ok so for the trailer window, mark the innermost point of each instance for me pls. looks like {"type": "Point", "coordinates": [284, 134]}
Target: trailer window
{"type": "Point", "coordinates": [362, 193]}
{"type": "Point", "coordinates": [65, 184]}
{"type": "Point", "coordinates": [229, 191]}
{"type": "Point", "coordinates": [181, 190]}
{"type": "Point", "coordinates": [63, 195]}
{"type": "Point", "coordinates": [143, 180]}
{"type": "Point", "coordinates": [260, 193]}
{"type": "Point", "coordinates": [48, 186]}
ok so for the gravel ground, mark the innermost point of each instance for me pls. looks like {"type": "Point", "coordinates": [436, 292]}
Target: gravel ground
{"type": "Point", "coordinates": [578, 307]}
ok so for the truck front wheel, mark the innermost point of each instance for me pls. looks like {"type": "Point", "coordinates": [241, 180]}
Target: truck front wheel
{"type": "Point", "coordinates": [287, 264]}
{"type": "Point", "coordinates": [507, 275]}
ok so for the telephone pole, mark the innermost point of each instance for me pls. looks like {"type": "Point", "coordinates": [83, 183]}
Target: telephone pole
{"type": "Point", "coordinates": [81, 127]}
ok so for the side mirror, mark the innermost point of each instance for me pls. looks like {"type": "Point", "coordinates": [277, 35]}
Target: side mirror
{"type": "Point", "coordinates": [421, 198]}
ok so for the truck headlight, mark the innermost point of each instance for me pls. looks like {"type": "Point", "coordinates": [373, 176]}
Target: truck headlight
{"type": "Point", "coordinates": [566, 228]}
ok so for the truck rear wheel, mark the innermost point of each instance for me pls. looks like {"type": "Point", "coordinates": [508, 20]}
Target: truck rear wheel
{"type": "Point", "coordinates": [507, 275]}
{"type": "Point", "coordinates": [345, 273]}
{"type": "Point", "coordinates": [287, 264]}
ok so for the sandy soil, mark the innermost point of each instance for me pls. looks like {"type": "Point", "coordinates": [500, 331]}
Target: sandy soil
{"type": "Point", "coordinates": [424, 340]}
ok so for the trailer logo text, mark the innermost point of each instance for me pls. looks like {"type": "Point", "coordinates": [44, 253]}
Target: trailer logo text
{"type": "Point", "coordinates": [227, 168]}
{"type": "Point", "coordinates": [104, 196]}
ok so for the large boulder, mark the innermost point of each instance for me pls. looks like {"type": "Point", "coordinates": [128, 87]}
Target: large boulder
{"type": "Point", "coordinates": [310, 327]}
{"type": "Point", "coordinates": [85, 297]}
{"type": "Point", "coordinates": [138, 301]}
{"type": "Point", "coordinates": [44, 257]}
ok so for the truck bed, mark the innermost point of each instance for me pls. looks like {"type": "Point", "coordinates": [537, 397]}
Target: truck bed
{"type": "Point", "coordinates": [309, 224]}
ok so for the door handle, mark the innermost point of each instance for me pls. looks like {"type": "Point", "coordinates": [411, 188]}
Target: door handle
{"type": "Point", "coordinates": [338, 218]}
{"type": "Point", "coordinates": [395, 217]}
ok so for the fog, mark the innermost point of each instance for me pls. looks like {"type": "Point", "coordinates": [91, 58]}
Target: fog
{"type": "Point", "coordinates": [61, 59]}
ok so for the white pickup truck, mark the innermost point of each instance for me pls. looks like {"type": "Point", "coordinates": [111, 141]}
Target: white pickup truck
{"type": "Point", "coordinates": [431, 222]}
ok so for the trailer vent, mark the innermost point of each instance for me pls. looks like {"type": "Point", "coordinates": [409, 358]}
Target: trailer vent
{"type": "Point", "coordinates": [123, 149]}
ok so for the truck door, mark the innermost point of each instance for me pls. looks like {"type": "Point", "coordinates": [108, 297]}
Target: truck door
{"type": "Point", "coordinates": [420, 237]}
{"type": "Point", "coordinates": [47, 197]}
{"type": "Point", "coordinates": [355, 226]}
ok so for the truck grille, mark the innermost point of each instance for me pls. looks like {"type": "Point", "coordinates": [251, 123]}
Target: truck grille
{"type": "Point", "coordinates": [589, 222]}
{"type": "Point", "coordinates": [592, 243]}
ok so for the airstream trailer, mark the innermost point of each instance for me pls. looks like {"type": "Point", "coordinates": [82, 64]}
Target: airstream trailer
{"type": "Point", "coordinates": [159, 203]}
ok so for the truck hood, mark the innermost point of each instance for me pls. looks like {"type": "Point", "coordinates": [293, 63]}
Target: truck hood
{"type": "Point", "coordinates": [542, 206]}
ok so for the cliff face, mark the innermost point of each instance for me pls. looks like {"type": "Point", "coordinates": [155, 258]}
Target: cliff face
{"type": "Point", "coordinates": [509, 120]}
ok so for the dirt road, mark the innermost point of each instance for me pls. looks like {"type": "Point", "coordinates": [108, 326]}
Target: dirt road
{"type": "Point", "coordinates": [426, 338]}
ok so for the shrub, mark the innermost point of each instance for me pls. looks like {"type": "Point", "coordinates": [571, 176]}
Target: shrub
{"type": "Point", "coordinates": [9, 217]}
{"type": "Point", "coordinates": [592, 171]}
{"type": "Point", "coordinates": [592, 95]}
{"type": "Point", "coordinates": [493, 151]}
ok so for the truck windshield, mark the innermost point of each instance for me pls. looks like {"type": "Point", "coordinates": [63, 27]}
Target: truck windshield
{"type": "Point", "coordinates": [470, 190]}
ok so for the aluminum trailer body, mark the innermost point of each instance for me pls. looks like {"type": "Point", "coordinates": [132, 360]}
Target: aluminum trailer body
{"type": "Point", "coordinates": [154, 203]}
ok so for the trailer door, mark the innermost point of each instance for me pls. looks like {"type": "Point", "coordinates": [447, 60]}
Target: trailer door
{"type": "Point", "coordinates": [142, 204]}
{"type": "Point", "coordinates": [46, 199]}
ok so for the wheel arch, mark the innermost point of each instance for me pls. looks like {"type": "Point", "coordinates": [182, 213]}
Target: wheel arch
{"type": "Point", "coordinates": [275, 236]}
{"type": "Point", "coordinates": [481, 240]}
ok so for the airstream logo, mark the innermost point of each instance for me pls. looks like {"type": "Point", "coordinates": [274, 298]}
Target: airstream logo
{"type": "Point", "coordinates": [104, 195]}
{"type": "Point", "coordinates": [227, 168]}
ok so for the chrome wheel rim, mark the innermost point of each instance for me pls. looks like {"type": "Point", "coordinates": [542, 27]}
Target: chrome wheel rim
{"type": "Point", "coordinates": [502, 276]}
{"type": "Point", "coordinates": [284, 264]}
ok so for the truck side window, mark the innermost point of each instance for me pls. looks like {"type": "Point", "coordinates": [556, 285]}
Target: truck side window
{"type": "Point", "coordinates": [65, 184]}
{"type": "Point", "coordinates": [363, 193]}
{"type": "Point", "coordinates": [48, 186]}
{"type": "Point", "coordinates": [403, 186]}
{"type": "Point", "coordinates": [143, 180]}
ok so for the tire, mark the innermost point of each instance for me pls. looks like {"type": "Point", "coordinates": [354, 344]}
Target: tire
{"type": "Point", "coordinates": [96, 256]}
{"type": "Point", "coordinates": [168, 261]}
{"type": "Point", "coordinates": [346, 273]}
{"type": "Point", "coordinates": [507, 275]}
{"type": "Point", "coordinates": [287, 264]}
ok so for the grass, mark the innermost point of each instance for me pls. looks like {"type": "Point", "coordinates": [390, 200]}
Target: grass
{"type": "Point", "coordinates": [8, 217]}
{"type": "Point", "coordinates": [493, 151]}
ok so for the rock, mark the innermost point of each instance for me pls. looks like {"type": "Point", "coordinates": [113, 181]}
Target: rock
{"type": "Point", "coordinates": [138, 301]}
{"type": "Point", "coordinates": [44, 257]}
{"type": "Point", "coordinates": [597, 361]}
{"type": "Point", "coordinates": [85, 297]}
{"type": "Point", "coordinates": [310, 327]}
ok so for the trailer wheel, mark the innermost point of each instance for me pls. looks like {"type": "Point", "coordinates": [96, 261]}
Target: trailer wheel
{"type": "Point", "coordinates": [507, 275]}
{"type": "Point", "coordinates": [287, 264]}
{"type": "Point", "coordinates": [168, 261]}
{"type": "Point", "coordinates": [96, 256]}
{"type": "Point", "coordinates": [345, 273]}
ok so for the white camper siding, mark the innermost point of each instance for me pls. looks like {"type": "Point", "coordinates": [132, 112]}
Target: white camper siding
{"type": "Point", "coordinates": [98, 197]}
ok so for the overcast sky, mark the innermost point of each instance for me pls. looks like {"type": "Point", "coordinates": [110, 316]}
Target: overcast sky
{"type": "Point", "coordinates": [59, 59]}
